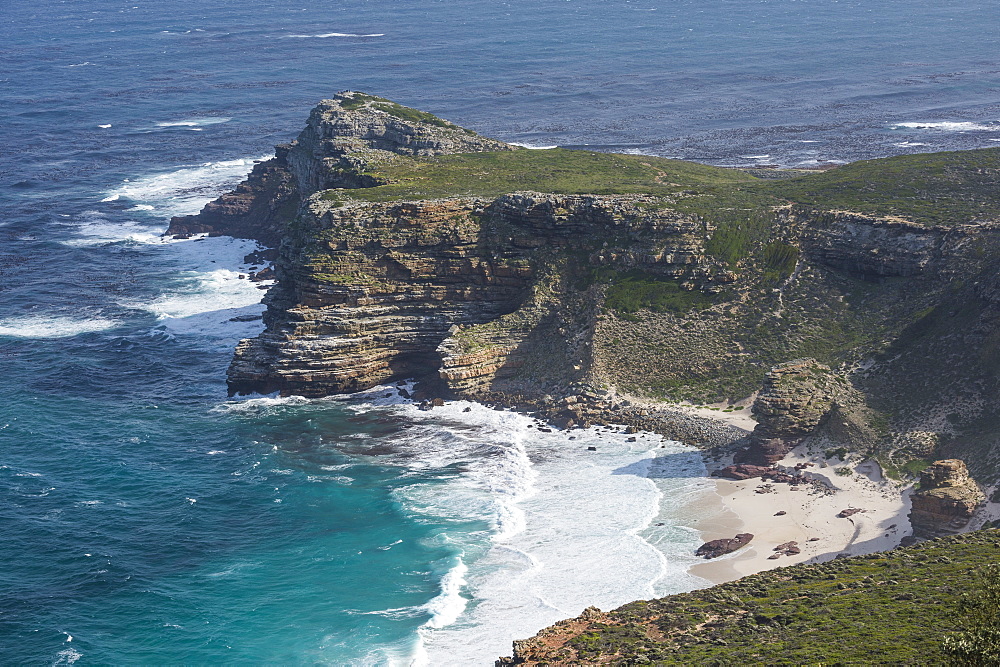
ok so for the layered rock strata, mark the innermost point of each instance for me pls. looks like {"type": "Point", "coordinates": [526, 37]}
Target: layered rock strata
{"type": "Point", "coordinates": [469, 290]}
{"type": "Point", "coordinates": [946, 501]}
{"type": "Point", "coordinates": [795, 398]}
{"type": "Point", "coordinates": [690, 283]}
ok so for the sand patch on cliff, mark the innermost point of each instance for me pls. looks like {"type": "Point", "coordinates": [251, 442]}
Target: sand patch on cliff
{"type": "Point", "coordinates": [811, 517]}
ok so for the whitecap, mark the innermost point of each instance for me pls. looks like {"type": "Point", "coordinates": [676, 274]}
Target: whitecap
{"type": "Point", "coordinates": [195, 122]}
{"type": "Point", "coordinates": [52, 326]}
{"type": "Point", "coordinates": [260, 404]}
{"type": "Point", "coordinates": [533, 147]}
{"type": "Point", "coordinates": [105, 126]}
{"type": "Point", "coordinates": [909, 144]}
{"type": "Point", "coordinates": [205, 299]}
{"type": "Point", "coordinates": [569, 527]}
{"type": "Point", "coordinates": [67, 657]}
{"type": "Point", "coordinates": [111, 197]}
{"type": "Point", "coordinates": [94, 228]}
{"type": "Point", "coordinates": [184, 190]}
{"type": "Point", "coordinates": [946, 126]}
{"type": "Point", "coordinates": [449, 604]}
{"type": "Point", "coordinates": [215, 452]}
{"type": "Point", "coordinates": [337, 34]}
{"type": "Point", "coordinates": [755, 157]}
{"type": "Point", "coordinates": [141, 207]}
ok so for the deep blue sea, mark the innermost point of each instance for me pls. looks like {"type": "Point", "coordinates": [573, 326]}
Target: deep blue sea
{"type": "Point", "coordinates": [147, 518]}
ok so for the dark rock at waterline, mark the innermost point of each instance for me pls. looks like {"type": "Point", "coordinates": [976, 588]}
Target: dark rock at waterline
{"type": "Point", "coordinates": [721, 547]}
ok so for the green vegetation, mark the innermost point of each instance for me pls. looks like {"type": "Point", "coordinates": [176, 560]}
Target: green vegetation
{"type": "Point", "coordinates": [779, 261]}
{"type": "Point", "coordinates": [979, 643]}
{"type": "Point", "coordinates": [412, 115]}
{"type": "Point", "coordinates": [912, 599]}
{"type": "Point", "coordinates": [929, 188]}
{"type": "Point", "coordinates": [557, 171]}
{"type": "Point", "coordinates": [629, 292]}
{"type": "Point", "coordinates": [738, 231]}
{"type": "Point", "coordinates": [359, 100]}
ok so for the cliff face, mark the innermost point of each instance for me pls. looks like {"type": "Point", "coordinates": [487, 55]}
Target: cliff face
{"type": "Point", "coordinates": [473, 292]}
{"type": "Point", "coordinates": [946, 501]}
{"type": "Point", "coordinates": [410, 247]}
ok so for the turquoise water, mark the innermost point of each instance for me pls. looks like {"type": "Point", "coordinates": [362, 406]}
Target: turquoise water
{"type": "Point", "coordinates": [149, 518]}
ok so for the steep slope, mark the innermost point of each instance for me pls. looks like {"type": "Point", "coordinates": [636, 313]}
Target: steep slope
{"type": "Point", "coordinates": [803, 614]}
{"type": "Point", "coordinates": [557, 278]}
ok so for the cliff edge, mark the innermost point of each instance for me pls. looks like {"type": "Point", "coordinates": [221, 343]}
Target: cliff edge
{"type": "Point", "coordinates": [412, 248]}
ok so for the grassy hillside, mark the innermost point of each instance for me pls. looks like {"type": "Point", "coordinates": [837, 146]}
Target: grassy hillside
{"type": "Point", "coordinates": [890, 608]}
{"type": "Point", "coordinates": [557, 170]}
{"type": "Point", "coordinates": [929, 188]}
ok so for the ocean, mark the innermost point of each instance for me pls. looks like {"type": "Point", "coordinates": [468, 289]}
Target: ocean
{"type": "Point", "coordinates": [149, 518]}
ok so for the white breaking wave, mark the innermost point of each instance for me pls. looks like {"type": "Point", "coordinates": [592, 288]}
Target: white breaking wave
{"type": "Point", "coordinates": [449, 604]}
{"type": "Point", "coordinates": [566, 524]}
{"type": "Point", "coordinates": [67, 656]}
{"type": "Point", "coordinates": [204, 298]}
{"type": "Point", "coordinates": [195, 122]}
{"type": "Point", "coordinates": [183, 191]}
{"type": "Point", "coordinates": [532, 146]}
{"type": "Point", "coordinates": [337, 34]}
{"type": "Point", "coordinates": [51, 326]}
{"type": "Point", "coordinates": [947, 126]}
{"type": "Point", "coordinates": [568, 527]}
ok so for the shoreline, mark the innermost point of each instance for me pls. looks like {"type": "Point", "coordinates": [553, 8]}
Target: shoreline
{"type": "Point", "coordinates": [810, 518]}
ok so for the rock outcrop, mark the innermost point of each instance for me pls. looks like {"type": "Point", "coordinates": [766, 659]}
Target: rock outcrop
{"type": "Point", "coordinates": [946, 501]}
{"type": "Point", "coordinates": [410, 247]}
{"type": "Point", "coordinates": [795, 398]}
{"type": "Point", "coordinates": [466, 290]}
{"type": "Point", "coordinates": [723, 546]}
{"type": "Point", "coordinates": [345, 139]}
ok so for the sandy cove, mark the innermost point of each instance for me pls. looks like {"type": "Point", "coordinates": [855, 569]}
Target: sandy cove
{"type": "Point", "coordinates": [810, 516]}
{"type": "Point", "coordinates": [811, 510]}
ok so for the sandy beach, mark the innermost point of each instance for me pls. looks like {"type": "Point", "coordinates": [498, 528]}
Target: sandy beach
{"type": "Point", "coordinates": [810, 516]}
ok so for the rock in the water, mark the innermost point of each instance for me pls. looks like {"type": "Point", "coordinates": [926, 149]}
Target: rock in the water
{"type": "Point", "coordinates": [721, 547]}
{"type": "Point", "coordinates": [946, 501]}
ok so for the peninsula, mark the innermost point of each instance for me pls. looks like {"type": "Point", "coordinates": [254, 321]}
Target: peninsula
{"type": "Point", "coordinates": [854, 312]}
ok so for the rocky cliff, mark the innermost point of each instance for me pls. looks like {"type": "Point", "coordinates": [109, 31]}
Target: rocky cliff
{"type": "Point", "coordinates": [410, 247]}
{"type": "Point", "coordinates": [344, 139]}
{"type": "Point", "coordinates": [946, 500]}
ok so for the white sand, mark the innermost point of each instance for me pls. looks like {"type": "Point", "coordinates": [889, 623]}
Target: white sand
{"type": "Point", "coordinates": [809, 514]}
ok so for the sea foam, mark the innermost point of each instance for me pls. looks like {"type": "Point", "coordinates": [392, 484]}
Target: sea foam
{"type": "Point", "coordinates": [52, 326]}
{"type": "Point", "coordinates": [567, 525]}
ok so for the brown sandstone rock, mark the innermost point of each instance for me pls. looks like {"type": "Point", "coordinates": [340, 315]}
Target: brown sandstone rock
{"type": "Point", "coordinates": [946, 501]}
{"type": "Point", "coordinates": [795, 399]}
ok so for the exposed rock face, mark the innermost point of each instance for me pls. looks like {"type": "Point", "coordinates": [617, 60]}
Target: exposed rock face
{"type": "Point", "coordinates": [946, 501]}
{"type": "Point", "coordinates": [468, 290]}
{"type": "Point", "coordinates": [344, 137]}
{"type": "Point", "coordinates": [795, 397]}
{"type": "Point", "coordinates": [256, 209]}
{"type": "Point", "coordinates": [874, 247]}
{"type": "Point", "coordinates": [510, 298]}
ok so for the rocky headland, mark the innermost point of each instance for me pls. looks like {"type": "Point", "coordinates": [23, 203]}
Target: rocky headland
{"type": "Point", "coordinates": [855, 310]}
